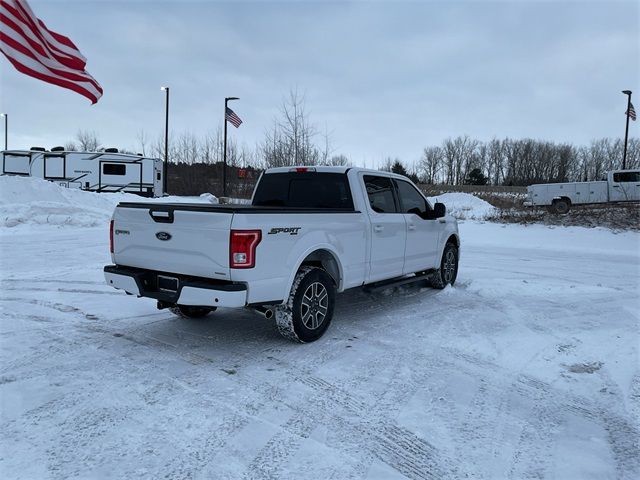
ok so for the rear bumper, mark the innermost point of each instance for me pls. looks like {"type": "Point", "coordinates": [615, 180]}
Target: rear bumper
{"type": "Point", "coordinates": [195, 291]}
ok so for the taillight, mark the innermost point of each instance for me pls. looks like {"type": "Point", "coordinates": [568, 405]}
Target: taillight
{"type": "Point", "coordinates": [242, 248]}
{"type": "Point", "coordinates": [111, 236]}
{"type": "Point", "coordinates": [302, 169]}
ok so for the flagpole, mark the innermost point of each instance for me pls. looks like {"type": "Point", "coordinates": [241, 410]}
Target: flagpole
{"type": "Point", "coordinates": [224, 148]}
{"type": "Point", "coordinates": [6, 129]}
{"type": "Point", "coordinates": [626, 130]}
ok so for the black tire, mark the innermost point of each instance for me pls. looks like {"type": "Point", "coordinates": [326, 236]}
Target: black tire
{"type": "Point", "coordinates": [561, 206]}
{"type": "Point", "coordinates": [309, 309]}
{"type": "Point", "coordinates": [448, 271]}
{"type": "Point", "coordinates": [188, 311]}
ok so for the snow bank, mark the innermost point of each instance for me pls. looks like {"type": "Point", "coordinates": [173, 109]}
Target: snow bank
{"type": "Point", "coordinates": [33, 201]}
{"type": "Point", "coordinates": [209, 197]}
{"type": "Point", "coordinates": [465, 206]}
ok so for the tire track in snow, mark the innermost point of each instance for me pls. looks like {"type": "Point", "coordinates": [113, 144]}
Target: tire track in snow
{"type": "Point", "coordinates": [358, 428]}
{"type": "Point", "coordinates": [550, 407]}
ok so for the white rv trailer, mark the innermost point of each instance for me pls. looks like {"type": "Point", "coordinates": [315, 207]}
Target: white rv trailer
{"type": "Point", "coordinates": [108, 171]}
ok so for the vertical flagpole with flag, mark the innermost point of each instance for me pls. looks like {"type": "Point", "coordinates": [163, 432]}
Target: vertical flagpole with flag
{"type": "Point", "coordinates": [231, 117]}
{"type": "Point", "coordinates": [630, 114]}
{"type": "Point", "coordinates": [41, 53]}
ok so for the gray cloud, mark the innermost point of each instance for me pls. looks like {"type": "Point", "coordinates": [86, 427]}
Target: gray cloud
{"type": "Point", "coordinates": [387, 78]}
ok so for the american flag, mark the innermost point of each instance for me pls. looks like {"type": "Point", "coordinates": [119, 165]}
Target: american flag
{"type": "Point", "coordinates": [36, 51]}
{"type": "Point", "coordinates": [233, 118]}
{"type": "Point", "coordinates": [631, 112]}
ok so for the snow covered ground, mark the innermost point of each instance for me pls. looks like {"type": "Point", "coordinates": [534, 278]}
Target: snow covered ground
{"type": "Point", "coordinates": [527, 368]}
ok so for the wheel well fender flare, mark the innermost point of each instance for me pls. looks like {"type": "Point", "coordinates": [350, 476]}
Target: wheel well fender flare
{"type": "Point", "coordinates": [567, 199]}
{"type": "Point", "coordinates": [452, 238]}
{"type": "Point", "coordinates": [323, 255]}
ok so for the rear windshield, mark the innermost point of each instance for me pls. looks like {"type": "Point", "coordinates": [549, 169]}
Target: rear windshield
{"type": "Point", "coordinates": [304, 190]}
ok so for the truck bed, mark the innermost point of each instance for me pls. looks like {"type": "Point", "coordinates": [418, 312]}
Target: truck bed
{"type": "Point", "coordinates": [229, 208]}
{"type": "Point", "coordinates": [194, 238]}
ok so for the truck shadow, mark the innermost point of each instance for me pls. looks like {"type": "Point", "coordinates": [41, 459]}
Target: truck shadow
{"type": "Point", "coordinates": [235, 333]}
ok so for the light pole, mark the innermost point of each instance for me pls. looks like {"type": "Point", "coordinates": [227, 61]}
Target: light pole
{"type": "Point", "coordinates": [224, 155]}
{"type": "Point", "coordinates": [6, 129]}
{"type": "Point", "coordinates": [166, 140]}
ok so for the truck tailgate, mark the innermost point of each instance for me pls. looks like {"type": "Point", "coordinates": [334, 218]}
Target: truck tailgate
{"type": "Point", "coordinates": [173, 239]}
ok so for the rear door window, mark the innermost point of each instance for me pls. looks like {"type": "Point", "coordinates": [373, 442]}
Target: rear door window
{"type": "Point", "coordinates": [380, 193]}
{"type": "Point", "coordinates": [623, 177]}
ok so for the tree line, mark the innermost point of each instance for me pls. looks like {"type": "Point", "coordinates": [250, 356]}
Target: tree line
{"type": "Point", "coordinates": [464, 160]}
{"type": "Point", "coordinates": [293, 139]}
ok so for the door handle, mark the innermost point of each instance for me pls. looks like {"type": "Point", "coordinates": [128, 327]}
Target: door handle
{"type": "Point", "coordinates": [378, 228]}
{"type": "Point", "coordinates": [442, 220]}
{"type": "Point", "coordinates": [412, 226]}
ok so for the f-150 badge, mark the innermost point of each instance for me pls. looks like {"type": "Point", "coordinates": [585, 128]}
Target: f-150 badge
{"type": "Point", "coordinates": [289, 230]}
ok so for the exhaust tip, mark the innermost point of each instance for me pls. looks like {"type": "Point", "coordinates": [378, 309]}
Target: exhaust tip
{"type": "Point", "coordinates": [265, 311]}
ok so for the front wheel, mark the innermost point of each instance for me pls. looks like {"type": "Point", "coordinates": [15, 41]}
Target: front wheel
{"type": "Point", "coordinates": [309, 309]}
{"type": "Point", "coordinates": [188, 311]}
{"type": "Point", "coordinates": [448, 271]}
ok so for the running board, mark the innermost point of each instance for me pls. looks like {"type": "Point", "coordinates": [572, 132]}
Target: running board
{"type": "Point", "coordinates": [396, 282]}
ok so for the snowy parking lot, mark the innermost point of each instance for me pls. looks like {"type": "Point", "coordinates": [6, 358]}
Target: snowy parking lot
{"type": "Point", "coordinates": [527, 368]}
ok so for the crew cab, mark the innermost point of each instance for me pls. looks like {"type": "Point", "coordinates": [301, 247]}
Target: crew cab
{"type": "Point", "coordinates": [308, 234]}
{"type": "Point", "coordinates": [618, 186]}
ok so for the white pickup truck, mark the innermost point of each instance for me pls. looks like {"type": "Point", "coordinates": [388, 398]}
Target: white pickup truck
{"type": "Point", "coordinates": [309, 233]}
{"type": "Point", "coordinates": [619, 186]}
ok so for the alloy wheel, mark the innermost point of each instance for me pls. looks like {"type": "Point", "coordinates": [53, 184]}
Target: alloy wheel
{"type": "Point", "coordinates": [314, 306]}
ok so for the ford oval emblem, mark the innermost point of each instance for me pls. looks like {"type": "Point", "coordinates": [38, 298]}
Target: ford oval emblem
{"type": "Point", "coordinates": [164, 236]}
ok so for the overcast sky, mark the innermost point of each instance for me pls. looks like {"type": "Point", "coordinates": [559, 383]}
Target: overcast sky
{"type": "Point", "coordinates": [385, 78]}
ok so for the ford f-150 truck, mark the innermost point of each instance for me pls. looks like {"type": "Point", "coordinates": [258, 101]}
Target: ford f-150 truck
{"type": "Point", "coordinates": [309, 233]}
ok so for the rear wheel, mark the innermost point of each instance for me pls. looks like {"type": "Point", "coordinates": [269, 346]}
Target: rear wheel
{"type": "Point", "coordinates": [448, 271]}
{"type": "Point", "coordinates": [561, 206]}
{"type": "Point", "coordinates": [188, 311]}
{"type": "Point", "coordinates": [309, 309]}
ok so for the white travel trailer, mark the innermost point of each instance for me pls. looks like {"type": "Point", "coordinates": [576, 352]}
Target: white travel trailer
{"type": "Point", "coordinates": [108, 171]}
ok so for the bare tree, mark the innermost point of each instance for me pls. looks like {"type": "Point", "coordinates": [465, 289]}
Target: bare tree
{"type": "Point", "coordinates": [431, 164]}
{"type": "Point", "coordinates": [88, 141]}
{"type": "Point", "coordinates": [292, 139]}
{"type": "Point", "coordinates": [339, 161]}
{"type": "Point", "coordinates": [143, 139]}
{"type": "Point", "coordinates": [495, 160]}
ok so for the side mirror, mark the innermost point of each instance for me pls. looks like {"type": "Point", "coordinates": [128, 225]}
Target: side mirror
{"type": "Point", "coordinates": [439, 210]}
